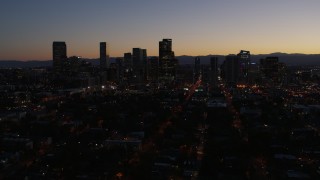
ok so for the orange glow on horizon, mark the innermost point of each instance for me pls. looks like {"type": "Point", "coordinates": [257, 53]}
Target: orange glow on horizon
{"type": "Point", "coordinates": [180, 47]}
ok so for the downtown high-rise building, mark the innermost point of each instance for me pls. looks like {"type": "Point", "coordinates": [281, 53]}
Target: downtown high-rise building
{"type": "Point", "coordinates": [153, 69]}
{"type": "Point", "coordinates": [214, 71]}
{"type": "Point", "coordinates": [269, 66]}
{"type": "Point", "coordinates": [244, 66]}
{"type": "Point", "coordinates": [104, 56]}
{"type": "Point", "coordinates": [196, 69]}
{"type": "Point", "coordinates": [120, 69]}
{"type": "Point", "coordinates": [167, 61]}
{"type": "Point", "coordinates": [272, 70]}
{"type": "Point", "coordinates": [127, 58]}
{"type": "Point", "coordinates": [236, 68]}
{"type": "Point", "coordinates": [230, 68]}
{"type": "Point", "coordinates": [139, 64]}
{"type": "Point", "coordinates": [127, 67]}
{"type": "Point", "coordinates": [59, 55]}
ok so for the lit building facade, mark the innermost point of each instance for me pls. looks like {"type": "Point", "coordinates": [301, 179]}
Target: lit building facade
{"type": "Point", "coordinates": [244, 66]}
{"type": "Point", "coordinates": [167, 61]}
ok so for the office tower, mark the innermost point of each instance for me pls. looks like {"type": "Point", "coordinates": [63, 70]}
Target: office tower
{"type": "Point", "coordinates": [231, 69]}
{"type": "Point", "coordinates": [214, 71]}
{"type": "Point", "coordinates": [204, 73]}
{"type": "Point", "coordinates": [127, 69]}
{"type": "Point", "coordinates": [144, 56]}
{"type": "Point", "coordinates": [244, 66]}
{"type": "Point", "coordinates": [120, 69]}
{"type": "Point", "coordinates": [127, 62]}
{"type": "Point", "coordinates": [136, 64]}
{"type": "Point", "coordinates": [196, 69]}
{"type": "Point", "coordinates": [269, 66]}
{"type": "Point", "coordinates": [127, 58]}
{"type": "Point", "coordinates": [272, 69]}
{"type": "Point", "coordinates": [104, 56]}
{"type": "Point", "coordinates": [167, 61]}
{"type": "Point", "coordinates": [136, 57]}
{"type": "Point", "coordinates": [139, 59]}
{"type": "Point", "coordinates": [153, 69]}
{"type": "Point", "coordinates": [112, 74]}
{"type": "Point", "coordinates": [254, 73]}
{"type": "Point", "coordinates": [72, 65]}
{"type": "Point", "coordinates": [59, 55]}
{"type": "Point", "coordinates": [144, 64]}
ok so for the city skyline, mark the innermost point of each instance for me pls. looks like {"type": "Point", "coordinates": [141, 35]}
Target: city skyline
{"type": "Point", "coordinates": [197, 28]}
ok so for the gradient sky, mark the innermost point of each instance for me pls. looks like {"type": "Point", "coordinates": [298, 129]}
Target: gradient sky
{"type": "Point", "coordinates": [197, 27]}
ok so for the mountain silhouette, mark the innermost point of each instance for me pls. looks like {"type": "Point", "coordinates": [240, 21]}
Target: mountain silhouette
{"type": "Point", "coordinates": [289, 59]}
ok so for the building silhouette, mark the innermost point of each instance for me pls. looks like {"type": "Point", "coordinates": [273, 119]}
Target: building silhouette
{"type": "Point", "coordinates": [196, 69]}
{"type": "Point", "coordinates": [214, 71]}
{"type": "Point", "coordinates": [127, 67]}
{"type": "Point", "coordinates": [153, 69]}
{"type": "Point", "coordinates": [167, 61]}
{"type": "Point", "coordinates": [120, 69]}
{"type": "Point", "coordinates": [104, 56]}
{"type": "Point", "coordinates": [244, 66]}
{"type": "Point", "coordinates": [272, 70]}
{"type": "Point", "coordinates": [231, 69]}
{"type": "Point", "coordinates": [139, 63]}
{"type": "Point", "coordinates": [145, 65]}
{"type": "Point", "coordinates": [127, 58]}
{"type": "Point", "coordinates": [59, 55]}
{"type": "Point", "coordinates": [269, 66]}
{"type": "Point", "coordinates": [236, 68]}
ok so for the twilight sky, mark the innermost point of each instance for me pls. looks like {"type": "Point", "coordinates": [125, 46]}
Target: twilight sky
{"type": "Point", "coordinates": [197, 27]}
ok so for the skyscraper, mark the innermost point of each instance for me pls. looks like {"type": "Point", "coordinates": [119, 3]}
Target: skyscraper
{"type": "Point", "coordinates": [136, 57]}
{"type": "Point", "coordinates": [104, 56]}
{"type": "Point", "coordinates": [231, 69]}
{"type": "Point", "coordinates": [244, 66]}
{"type": "Point", "coordinates": [145, 64]}
{"type": "Point", "coordinates": [127, 57]}
{"type": "Point", "coordinates": [271, 69]}
{"type": "Point", "coordinates": [120, 69]}
{"type": "Point", "coordinates": [139, 60]}
{"type": "Point", "coordinates": [196, 69]}
{"type": "Point", "coordinates": [214, 71]}
{"type": "Point", "coordinates": [153, 69]}
{"type": "Point", "coordinates": [269, 65]}
{"type": "Point", "coordinates": [59, 54]}
{"type": "Point", "coordinates": [127, 69]}
{"type": "Point", "coordinates": [167, 61]}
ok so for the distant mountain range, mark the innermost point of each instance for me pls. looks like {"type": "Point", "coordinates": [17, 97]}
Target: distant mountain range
{"type": "Point", "coordinates": [289, 59]}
